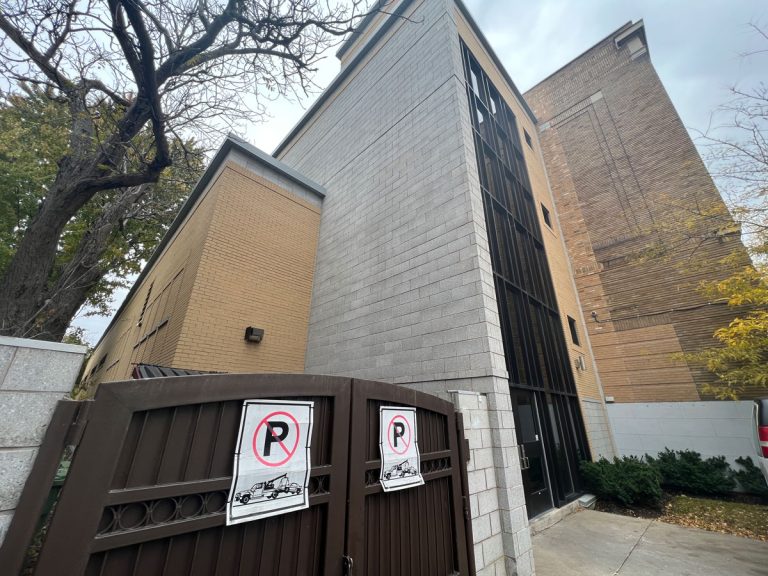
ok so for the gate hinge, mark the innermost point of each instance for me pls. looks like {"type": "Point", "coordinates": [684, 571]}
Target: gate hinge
{"type": "Point", "coordinates": [347, 563]}
{"type": "Point", "coordinates": [76, 429]}
{"type": "Point", "coordinates": [467, 511]}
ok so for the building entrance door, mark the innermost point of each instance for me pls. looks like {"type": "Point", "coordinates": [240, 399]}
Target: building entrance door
{"type": "Point", "coordinates": [538, 496]}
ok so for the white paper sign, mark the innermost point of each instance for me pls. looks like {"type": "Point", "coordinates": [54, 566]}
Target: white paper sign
{"type": "Point", "coordinates": [272, 466]}
{"type": "Point", "coordinates": [399, 447]}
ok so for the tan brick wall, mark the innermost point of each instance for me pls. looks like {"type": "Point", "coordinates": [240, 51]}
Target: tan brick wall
{"type": "Point", "coordinates": [587, 380]}
{"type": "Point", "coordinates": [623, 171]}
{"type": "Point", "coordinates": [243, 257]}
{"type": "Point", "coordinates": [256, 270]}
{"type": "Point", "coordinates": [171, 280]}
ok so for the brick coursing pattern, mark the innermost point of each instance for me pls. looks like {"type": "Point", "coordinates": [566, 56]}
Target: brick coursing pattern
{"type": "Point", "coordinates": [244, 257]}
{"type": "Point", "coordinates": [403, 286]}
{"type": "Point", "coordinates": [624, 173]}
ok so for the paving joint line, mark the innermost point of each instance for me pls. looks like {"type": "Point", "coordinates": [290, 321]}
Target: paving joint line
{"type": "Point", "coordinates": [633, 548]}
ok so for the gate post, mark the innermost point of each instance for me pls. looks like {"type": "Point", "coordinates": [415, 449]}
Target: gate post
{"type": "Point", "coordinates": [500, 529]}
{"type": "Point", "coordinates": [34, 376]}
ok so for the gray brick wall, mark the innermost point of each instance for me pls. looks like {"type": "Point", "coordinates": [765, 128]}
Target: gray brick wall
{"type": "Point", "coordinates": [497, 501]}
{"type": "Point", "coordinates": [598, 428]}
{"type": "Point", "coordinates": [403, 288]}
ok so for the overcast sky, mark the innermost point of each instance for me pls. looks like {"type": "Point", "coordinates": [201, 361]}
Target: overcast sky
{"type": "Point", "coordinates": [697, 47]}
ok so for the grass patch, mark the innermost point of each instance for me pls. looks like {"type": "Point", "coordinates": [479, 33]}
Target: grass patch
{"type": "Point", "coordinates": [749, 520]}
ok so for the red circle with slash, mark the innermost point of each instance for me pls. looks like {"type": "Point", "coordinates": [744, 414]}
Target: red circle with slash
{"type": "Point", "coordinates": [289, 452]}
{"type": "Point", "coordinates": [389, 435]}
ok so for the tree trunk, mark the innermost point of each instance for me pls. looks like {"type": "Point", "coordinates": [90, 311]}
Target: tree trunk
{"type": "Point", "coordinates": [23, 290]}
{"type": "Point", "coordinates": [55, 319]}
{"type": "Point", "coordinates": [23, 287]}
{"type": "Point", "coordinates": [86, 268]}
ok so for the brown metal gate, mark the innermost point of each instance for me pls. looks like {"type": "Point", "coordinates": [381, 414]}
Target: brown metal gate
{"type": "Point", "coordinates": [148, 485]}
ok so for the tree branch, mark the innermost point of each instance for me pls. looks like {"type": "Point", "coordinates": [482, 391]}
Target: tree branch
{"type": "Point", "coordinates": [34, 54]}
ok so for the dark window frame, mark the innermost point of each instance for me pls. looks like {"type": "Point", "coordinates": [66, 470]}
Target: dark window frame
{"type": "Point", "coordinates": [533, 335]}
{"type": "Point", "coordinates": [574, 329]}
{"type": "Point", "coordinates": [547, 216]}
{"type": "Point", "coordinates": [144, 306]}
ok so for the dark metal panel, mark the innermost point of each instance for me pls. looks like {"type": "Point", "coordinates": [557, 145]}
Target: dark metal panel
{"type": "Point", "coordinates": [200, 389]}
{"type": "Point", "coordinates": [269, 547]}
{"type": "Point", "coordinates": [148, 487]}
{"type": "Point", "coordinates": [35, 493]}
{"type": "Point", "coordinates": [83, 495]}
{"type": "Point", "coordinates": [418, 531]}
{"type": "Point", "coordinates": [142, 371]}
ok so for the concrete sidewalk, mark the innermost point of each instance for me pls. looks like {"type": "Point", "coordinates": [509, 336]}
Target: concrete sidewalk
{"type": "Point", "coordinates": [598, 544]}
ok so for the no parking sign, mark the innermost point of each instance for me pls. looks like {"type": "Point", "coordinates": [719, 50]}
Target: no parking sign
{"type": "Point", "coordinates": [272, 464]}
{"type": "Point", "coordinates": [399, 447]}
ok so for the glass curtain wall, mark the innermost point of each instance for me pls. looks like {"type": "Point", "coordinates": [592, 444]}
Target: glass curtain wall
{"type": "Point", "coordinates": [534, 343]}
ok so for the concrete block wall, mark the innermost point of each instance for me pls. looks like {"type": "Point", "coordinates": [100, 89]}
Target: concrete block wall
{"type": "Point", "coordinates": [34, 376]}
{"type": "Point", "coordinates": [713, 428]}
{"type": "Point", "coordinates": [400, 291]}
{"type": "Point", "coordinates": [497, 501]}
{"type": "Point", "coordinates": [404, 290]}
{"type": "Point", "coordinates": [598, 428]}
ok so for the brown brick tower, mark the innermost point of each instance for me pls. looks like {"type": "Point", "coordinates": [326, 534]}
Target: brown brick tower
{"type": "Point", "coordinates": [629, 187]}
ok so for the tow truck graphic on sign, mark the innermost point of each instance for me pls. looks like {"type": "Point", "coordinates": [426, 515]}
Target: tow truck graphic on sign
{"type": "Point", "coordinates": [399, 448]}
{"type": "Point", "coordinates": [271, 489]}
{"type": "Point", "coordinates": [272, 463]}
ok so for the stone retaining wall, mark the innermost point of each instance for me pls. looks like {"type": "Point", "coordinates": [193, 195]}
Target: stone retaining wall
{"type": "Point", "coordinates": [34, 376]}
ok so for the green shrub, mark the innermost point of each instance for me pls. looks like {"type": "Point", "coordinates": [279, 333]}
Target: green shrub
{"type": "Point", "coordinates": [627, 480]}
{"type": "Point", "coordinates": [750, 477]}
{"type": "Point", "coordinates": [686, 471]}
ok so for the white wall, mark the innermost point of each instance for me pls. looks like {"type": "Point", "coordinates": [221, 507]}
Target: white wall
{"type": "Point", "coordinates": [711, 428]}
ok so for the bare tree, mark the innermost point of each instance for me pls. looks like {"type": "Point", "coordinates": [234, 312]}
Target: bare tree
{"type": "Point", "coordinates": [136, 75]}
{"type": "Point", "coordinates": [735, 149]}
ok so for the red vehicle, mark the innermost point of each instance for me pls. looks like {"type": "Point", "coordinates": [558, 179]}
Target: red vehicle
{"type": "Point", "coordinates": [760, 416]}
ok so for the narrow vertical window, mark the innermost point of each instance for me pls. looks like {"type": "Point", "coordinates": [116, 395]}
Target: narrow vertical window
{"type": "Point", "coordinates": [144, 307]}
{"type": "Point", "coordinates": [480, 117]}
{"type": "Point", "coordinates": [528, 139]}
{"type": "Point", "coordinates": [475, 87]}
{"type": "Point", "coordinates": [574, 332]}
{"type": "Point", "coordinates": [547, 217]}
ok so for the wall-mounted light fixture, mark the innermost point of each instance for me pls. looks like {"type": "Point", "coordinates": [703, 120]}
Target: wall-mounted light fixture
{"type": "Point", "coordinates": [597, 320]}
{"type": "Point", "coordinates": [254, 334]}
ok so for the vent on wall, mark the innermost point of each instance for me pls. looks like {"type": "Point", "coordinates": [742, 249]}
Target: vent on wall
{"type": "Point", "coordinates": [580, 364]}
